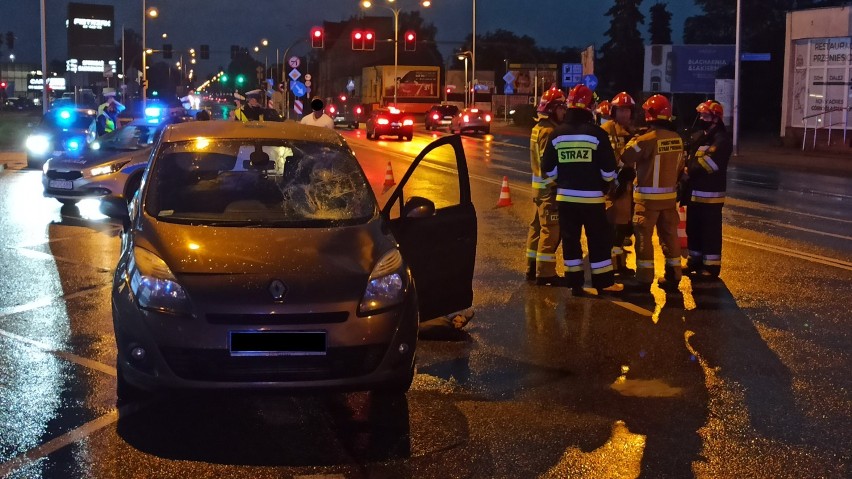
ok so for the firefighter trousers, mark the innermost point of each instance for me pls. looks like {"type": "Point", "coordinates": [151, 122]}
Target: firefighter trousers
{"type": "Point", "coordinates": [666, 221]}
{"type": "Point", "coordinates": [573, 217]}
{"type": "Point", "coordinates": [704, 237]}
{"type": "Point", "coordinates": [543, 237]}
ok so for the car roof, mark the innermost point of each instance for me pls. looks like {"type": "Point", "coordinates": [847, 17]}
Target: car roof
{"type": "Point", "coordinates": [273, 130]}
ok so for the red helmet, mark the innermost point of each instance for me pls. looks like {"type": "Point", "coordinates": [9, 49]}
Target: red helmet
{"type": "Point", "coordinates": [580, 97]}
{"type": "Point", "coordinates": [623, 99]}
{"type": "Point", "coordinates": [711, 106]}
{"type": "Point", "coordinates": [657, 108]}
{"type": "Point", "coordinates": [551, 99]}
{"type": "Point", "coordinates": [603, 108]}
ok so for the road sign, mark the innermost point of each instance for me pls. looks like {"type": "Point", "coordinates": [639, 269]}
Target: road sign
{"type": "Point", "coordinates": [307, 76]}
{"type": "Point", "coordinates": [572, 74]}
{"type": "Point", "coordinates": [298, 88]}
{"type": "Point", "coordinates": [297, 105]}
{"type": "Point", "coordinates": [590, 81]}
{"type": "Point", "coordinates": [755, 57]}
{"type": "Point", "coordinates": [350, 87]}
{"type": "Point", "coordinates": [294, 62]}
{"type": "Point", "coordinates": [508, 77]}
{"type": "Point", "coordinates": [307, 83]}
{"type": "Point", "coordinates": [294, 74]}
{"type": "Point", "coordinates": [508, 89]}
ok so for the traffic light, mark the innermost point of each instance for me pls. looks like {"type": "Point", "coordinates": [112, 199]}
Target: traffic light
{"type": "Point", "coordinates": [410, 41]}
{"type": "Point", "coordinates": [224, 79]}
{"type": "Point", "coordinates": [317, 37]}
{"type": "Point", "coordinates": [357, 40]}
{"type": "Point", "coordinates": [2, 85]}
{"type": "Point", "coordinates": [167, 50]}
{"type": "Point", "coordinates": [240, 80]}
{"type": "Point", "coordinates": [205, 52]}
{"type": "Point", "coordinates": [235, 50]}
{"type": "Point", "coordinates": [369, 40]}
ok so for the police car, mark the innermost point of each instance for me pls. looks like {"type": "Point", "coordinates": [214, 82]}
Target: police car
{"type": "Point", "coordinates": [62, 131]}
{"type": "Point", "coordinates": [112, 165]}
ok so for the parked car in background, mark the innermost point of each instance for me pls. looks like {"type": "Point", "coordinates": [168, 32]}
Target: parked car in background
{"type": "Point", "coordinates": [343, 112]}
{"type": "Point", "coordinates": [471, 119]}
{"type": "Point", "coordinates": [256, 257]}
{"type": "Point", "coordinates": [390, 121]}
{"type": "Point", "coordinates": [61, 131]}
{"type": "Point", "coordinates": [112, 165]}
{"type": "Point", "coordinates": [14, 103]}
{"type": "Point", "coordinates": [440, 115]}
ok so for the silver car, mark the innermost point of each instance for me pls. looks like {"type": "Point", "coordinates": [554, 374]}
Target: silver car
{"type": "Point", "coordinates": [255, 256]}
{"type": "Point", "coordinates": [112, 165]}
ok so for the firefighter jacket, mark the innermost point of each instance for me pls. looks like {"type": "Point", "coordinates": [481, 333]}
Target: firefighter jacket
{"type": "Point", "coordinates": [620, 198]}
{"type": "Point", "coordinates": [584, 162]}
{"type": "Point", "coordinates": [541, 180]}
{"type": "Point", "coordinates": [618, 137]}
{"type": "Point", "coordinates": [658, 158]}
{"type": "Point", "coordinates": [707, 169]}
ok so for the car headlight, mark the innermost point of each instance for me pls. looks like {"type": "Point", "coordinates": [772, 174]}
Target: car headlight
{"type": "Point", "coordinates": [38, 144]}
{"type": "Point", "coordinates": [107, 169]}
{"type": "Point", "coordinates": [95, 145]}
{"type": "Point", "coordinates": [154, 286]}
{"type": "Point", "coordinates": [386, 286]}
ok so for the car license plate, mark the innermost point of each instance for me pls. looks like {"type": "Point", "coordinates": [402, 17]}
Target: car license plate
{"type": "Point", "coordinates": [278, 343]}
{"type": "Point", "coordinates": [338, 118]}
{"type": "Point", "coordinates": [396, 125]}
{"type": "Point", "coordinates": [61, 184]}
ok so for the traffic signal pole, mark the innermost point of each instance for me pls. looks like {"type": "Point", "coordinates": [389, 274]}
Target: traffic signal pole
{"type": "Point", "coordinates": [44, 105]}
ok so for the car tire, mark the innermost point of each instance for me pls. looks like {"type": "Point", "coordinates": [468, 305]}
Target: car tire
{"type": "Point", "coordinates": [397, 386]}
{"type": "Point", "coordinates": [354, 125]}
{"type": "Point", "coordinates": [486, 131]}
{"type": "Point", "coordinates": [68, 202]}
{"type": "Point", "coordinates": [409, 137]}
{"type": "Point", "coordinates": [400, 137]}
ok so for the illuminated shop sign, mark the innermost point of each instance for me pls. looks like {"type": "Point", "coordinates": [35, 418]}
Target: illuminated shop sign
{"type": "Point", "coordinates": [93, 23]}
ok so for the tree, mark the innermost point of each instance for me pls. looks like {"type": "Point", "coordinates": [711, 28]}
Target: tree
{"type": "Point", "coordinates": [660, 27]}
{"type": "Point", "coordinates": [623, 55]}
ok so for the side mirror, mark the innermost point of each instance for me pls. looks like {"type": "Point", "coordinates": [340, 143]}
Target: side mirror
{"type": "Point", "coordinates": [418, 207]}
{"type": "Point", "coordinates": [115, 208]}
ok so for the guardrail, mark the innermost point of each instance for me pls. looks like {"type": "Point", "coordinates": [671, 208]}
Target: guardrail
{"type": "Point", "coordinates": [820, 124]}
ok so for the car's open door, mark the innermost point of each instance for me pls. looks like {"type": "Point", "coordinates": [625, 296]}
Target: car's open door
{"type": "Point", "coordinates": [432, 217]}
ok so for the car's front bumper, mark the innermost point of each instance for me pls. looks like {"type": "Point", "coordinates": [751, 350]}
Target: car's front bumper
{"type": "Point", "coordinates": [72, 185]}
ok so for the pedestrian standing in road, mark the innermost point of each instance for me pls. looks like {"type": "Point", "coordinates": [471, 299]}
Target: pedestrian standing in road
{"type": "Point", "coordinates": [279, 99]}
{"type": "Point", "coordinates": [706, 173]}
{"type": "Point", "coordinates": [658, 157]}
{"type": "Point", "coordinates": [619, 201]}
{"type": "Point", "coordinates": [580, 152]}
{"type": "Point", "coordinates": [543, 237]}
{"type": "Point", "coordinates": [318, 117]}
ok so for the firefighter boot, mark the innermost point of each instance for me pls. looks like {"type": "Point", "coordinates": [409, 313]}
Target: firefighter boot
{"type": "Point", "coordinates": [530, 269]}
{"type": "Point", "coordinates": [621, 269]}
{"type": "Point", "coordinates": [670, 281]}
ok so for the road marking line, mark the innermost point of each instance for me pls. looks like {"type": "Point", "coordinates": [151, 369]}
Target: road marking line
{"type": "Point", "coordinates": [837, 263]}
{"type": "Point", "coordinates": [88, 363]}
{"type": "Point", "coordinates": [751, 204]}
{"type": "Point", "coordinates": [46, 301]}
{"type": "Point", "coordinates": [807, 230]}
{"type": "Point", "coordinates": [632, 307]}
{"type": "Point", "coordinates": [58, 443]}
{"type": "Point", "coordinates": [41, 255]}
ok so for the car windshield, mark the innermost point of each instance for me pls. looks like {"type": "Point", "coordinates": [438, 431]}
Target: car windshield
{"type": "Point", "coordinates": [70, 120]}
{"type": "Point", "coordinates": [131, 137]}
{"type": "Point", "coordinates": [258, 183]}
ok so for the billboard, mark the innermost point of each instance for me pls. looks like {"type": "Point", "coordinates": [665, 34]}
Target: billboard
{"type": "Point", "coordinates": [414, 81]}
{"type": "Point", "coordinates": [685, 68]}
{"type": "Point", "coordinates": [91, 31]}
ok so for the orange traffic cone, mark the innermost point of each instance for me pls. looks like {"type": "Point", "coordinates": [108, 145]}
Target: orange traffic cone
{"type": "Point", "coordinates": [505, 197]}
{"type": "Point", "coordinates": [389, 176]}
{"type": "Point", "coordinates": [681, 227]}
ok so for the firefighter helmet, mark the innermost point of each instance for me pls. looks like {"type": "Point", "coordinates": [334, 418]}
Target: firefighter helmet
{"type": "Point", "coordinates": [550, 100]}
{"type": "Point", "coordinates": [657, 108]}
{"type": "Point", "coordinates": [580, 97]}
{"type": "Point", "coordinates": [712, 107]}
{"type": "Point", "coordinates": [603, 108]}
{"type": "Point", "coordinates": [623, 99]}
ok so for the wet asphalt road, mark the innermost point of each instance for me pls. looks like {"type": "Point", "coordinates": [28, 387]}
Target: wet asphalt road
{"type": "Point", "coordinates": [746, 377]}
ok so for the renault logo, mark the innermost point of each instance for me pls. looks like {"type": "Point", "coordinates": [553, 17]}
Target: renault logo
{"type": "Point", "coordinates": [277, 289]}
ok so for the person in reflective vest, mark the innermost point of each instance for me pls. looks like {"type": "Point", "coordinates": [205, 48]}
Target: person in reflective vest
{"type": "Point", "coordinates": [543, 236]}
{"type": "Point", "coordinates": [238, 108]}
{"type": "Point", "coordinates": [107, 119]}
{"type": "Point", "coordinates": [619, 204]}
{"type": "Point", "coordinates": [706, 173]}
{"type": "Point", "coordinates": [658, 157]}
{"type": "Point", "coordinates": [580, 152]}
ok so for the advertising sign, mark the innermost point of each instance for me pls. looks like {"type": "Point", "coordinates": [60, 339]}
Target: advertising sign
{"type": "Point", "coordinates": [572, 74]}
{"type": "Point", "coordinates": [91, 31]}
{"type": "Point", "coordinates": [414, 81]}
{"type": "Point", "coordinates": [685, 68]}
{"type": "Point", "coordinates": [822, 79]}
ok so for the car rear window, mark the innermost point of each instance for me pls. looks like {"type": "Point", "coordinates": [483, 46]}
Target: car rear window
{"type": "Point", "coordinates": [251, 183]}
{"type": "Point", "coordinates": [448, 110]}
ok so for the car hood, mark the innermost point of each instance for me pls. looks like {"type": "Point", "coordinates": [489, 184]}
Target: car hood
{"type": "Point", "coordinates": [93, 158]}
{"type": "Point", "coordinates": [287, 252]}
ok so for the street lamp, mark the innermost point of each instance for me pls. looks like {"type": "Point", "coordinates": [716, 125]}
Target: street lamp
{"type": "Point", "coordinates": [153, 13]}
{"type": "Point", "coordinates": [368, 4]}
{"type": "Point", "coordinates": [464, 56]}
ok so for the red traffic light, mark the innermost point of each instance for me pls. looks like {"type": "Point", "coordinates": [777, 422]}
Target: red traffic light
{"type": "Point", "coordinates": [410, 41]}
{"type": "Point", "coordinates": [317, 37]}
{"type": "Point", "coordinates": [369, 40]}
{"type": "Point", "coordinates": [357, 40]}
{"type": "Point", "coordinates": [2, 84]}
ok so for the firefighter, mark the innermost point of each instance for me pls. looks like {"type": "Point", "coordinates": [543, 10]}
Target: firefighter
{"type": "Point", "coordinates": [603, 112]}
{"type": "Point", "coordinates": [580, 152]}
{"type": "Point", "coordinates": [543, 237]}
{"type": "Point", "coordinates": [706, 173]}
{"type": "Point", "coordinates": [657, 157]}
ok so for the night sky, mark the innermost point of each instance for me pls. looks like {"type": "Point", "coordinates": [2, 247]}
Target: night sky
{"type": "Point", "coordinates": [221, 23]}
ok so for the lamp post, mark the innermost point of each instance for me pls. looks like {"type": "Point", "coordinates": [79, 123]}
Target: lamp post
{"type": "Point", "coordinates": [153, 13]}
{"type": "Point", "coordinates": [464, 56]}
{"type": "Point", "coordinates": [395, 10]}
{"type": "Point", "coordinates": [473, 56]}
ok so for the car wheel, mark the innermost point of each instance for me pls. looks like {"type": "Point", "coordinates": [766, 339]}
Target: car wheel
{"type": "Point", "coordinates": [486, 131]}
{"type": "Point", "coordinates": [354, 125]}
{"type": "Point", "coordinates": [68, 202]}
{"type": "Point", "coordinates": [409, 137]}
{"type": "Point", "coordinates": [396, 386]}
{"type": "Point", "coordinates": [400, 137]}
{"type": "Point", "coordinates": [133, 184]}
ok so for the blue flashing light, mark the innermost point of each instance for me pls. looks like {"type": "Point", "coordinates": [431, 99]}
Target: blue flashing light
{"type": "Point", "coordinates": [65, 114]}
{"type": "Point", "coordinates": [153, 112]}
{"type": "Point", "coordinates": [73, 145]}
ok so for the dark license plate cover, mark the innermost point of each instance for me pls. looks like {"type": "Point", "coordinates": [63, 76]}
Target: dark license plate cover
{"type": "Point", "coordinates": [278, 343]}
